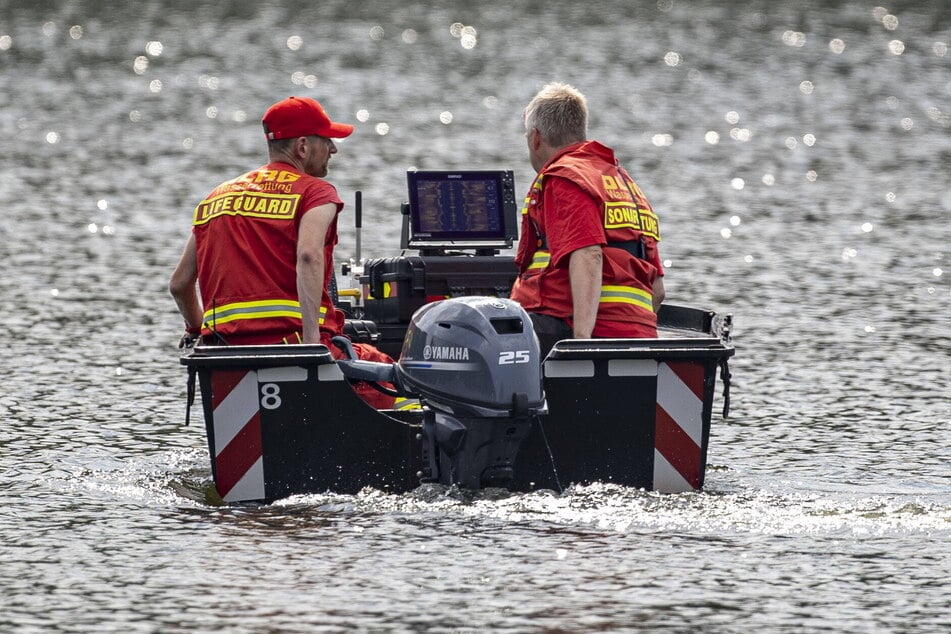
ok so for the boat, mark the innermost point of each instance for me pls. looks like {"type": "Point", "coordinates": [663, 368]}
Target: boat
{"type": "Point", "coordinates": [486, 410]}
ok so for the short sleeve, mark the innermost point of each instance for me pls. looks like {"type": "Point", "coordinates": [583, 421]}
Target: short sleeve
{"type": "Point", "coordinates": [572, 219]}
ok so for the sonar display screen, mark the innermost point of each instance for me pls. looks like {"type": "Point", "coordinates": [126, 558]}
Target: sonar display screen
{"type": "Point", "coordinates": [462, 206]}
{"type": "Point", "coordinates": [459, 206]}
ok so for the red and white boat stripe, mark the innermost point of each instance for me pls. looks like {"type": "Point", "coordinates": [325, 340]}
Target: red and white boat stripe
{"type": "Point", "coordinates": [237, 399]}
{"type": "Point", "coordinates": [239, 464]}
{"type": "Point", "coordinates": [678, 428]}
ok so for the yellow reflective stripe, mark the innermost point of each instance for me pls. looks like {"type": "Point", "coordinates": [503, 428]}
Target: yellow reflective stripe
{"type": "Point", "coordinates": [253, 310]}
{"type": "Point", "coordinates": [537, 185]}
{"type": "Point", "coordinates": [402, 403]}
{"type": "Point", "coordinates": [540, 260]}
{"type": "Point", "coordinates": [627, 295]}
{"type": "Point", "coordinates": [323, 316]}
{"type": "Point", "coordinates": [297, 335]}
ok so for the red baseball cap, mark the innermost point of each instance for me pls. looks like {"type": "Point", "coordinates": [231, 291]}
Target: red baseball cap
{"type": "Point", "coordinates": [301, 116]}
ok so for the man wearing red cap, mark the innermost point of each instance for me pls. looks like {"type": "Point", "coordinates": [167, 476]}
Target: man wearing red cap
{"type": "Point", "coordinates": [261, 248]}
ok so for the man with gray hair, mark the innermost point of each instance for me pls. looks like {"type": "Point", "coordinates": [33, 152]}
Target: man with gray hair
{"type": "Point", "coordinates": [587, 256]}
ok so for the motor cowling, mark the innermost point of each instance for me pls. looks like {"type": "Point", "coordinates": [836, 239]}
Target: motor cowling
{"type": "Point", "coordinates": [473, 356]}
{"type": "Point", "coordinates": [474, 362]}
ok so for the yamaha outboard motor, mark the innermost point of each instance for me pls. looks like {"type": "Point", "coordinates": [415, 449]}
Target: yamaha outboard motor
{"type": "Point", "coordinates": [474, 362]}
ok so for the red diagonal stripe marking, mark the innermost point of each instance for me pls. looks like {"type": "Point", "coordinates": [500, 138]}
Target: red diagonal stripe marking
{"type": "Point", "coordinates": [691, 373]}
{"type": "Point", "coordinates": [238, 456]}
{"type": "Point", "coordinates": [675, 445]}
{"type": "Point", "coordinates": [222, 382]}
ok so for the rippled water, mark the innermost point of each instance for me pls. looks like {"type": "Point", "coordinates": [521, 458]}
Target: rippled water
{"type": "Point", "coordinates": [798, 157]}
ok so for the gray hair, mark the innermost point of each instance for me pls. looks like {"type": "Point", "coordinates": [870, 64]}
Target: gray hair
{"type": "Point", "coordinates": [560, 113]}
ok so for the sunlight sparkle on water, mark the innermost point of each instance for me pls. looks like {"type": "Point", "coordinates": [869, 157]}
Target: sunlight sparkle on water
{"type": "Point", "coordinates": [740, 134]}
{"type": "Point", "coordinates": [445, 117]}
{"type": "Point", "coordinates": [896, 47]}
{"type": "Point", "coordinates": [468, 36]}
{"type": "Point", "coordinates": [363, 115]}
{"type": "Point", "coordinates": [737, 183]}
{"type": "Point", "coordinates": [794, 38]}
{"type": "Point", "coordinates": [837, 46]}
{"type": "Point", "coordinates": [409, 36]}
{"type": "Point", "coordinates": [302, 79]}
{"type": "Point", "coordinates": [712, 137]}
{"type": "Point", "coordinates": [52, 138]}
{"type": "Point", "coordinates": [153, 48]}
{"type": "Point", "coordinates": [936, 272]}
{"type": "Point", "coordinates": [806, 87]}
{"type": "Point", "coordinates": [769, 179]}
{"type": "Point", "coordinates": [377, 33]}
{"type": "Point", "coordinates": [5, 42]}
{"type": "Point", "coordinates": [672, 58]}
{"type": "Point", "coordinates": [294, 42]}
{"type": "Point", "coordinates": [75, 31]}
{"type": "Point", "coordinates": [382, 128]}
{"type": "Point", "coordinates": [867, 227]}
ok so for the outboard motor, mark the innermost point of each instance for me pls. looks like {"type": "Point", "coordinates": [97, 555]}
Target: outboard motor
{"type": "Point", "coordinates": [474, 364]}
{"type": "Point", "coordinates": [474, 361]}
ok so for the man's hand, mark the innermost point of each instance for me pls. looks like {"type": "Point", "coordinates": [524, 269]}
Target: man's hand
{"type": "Point", "coordinates": [189, 339]}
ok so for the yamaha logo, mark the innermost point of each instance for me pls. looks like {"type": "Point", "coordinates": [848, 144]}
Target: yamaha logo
{"type": "Point", "coordinates": [445, 353]}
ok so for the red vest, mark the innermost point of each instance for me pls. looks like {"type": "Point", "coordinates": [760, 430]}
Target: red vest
{"type": "Point", "coordinates": [246, 237]}
{"type": "Point", "coordinates": [625, 218]}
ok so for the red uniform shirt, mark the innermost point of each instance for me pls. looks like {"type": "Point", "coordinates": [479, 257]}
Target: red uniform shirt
{"type": "Point", "coordinates": [246, 237]}
{"type": "Point", "coordinates": [583, 198]}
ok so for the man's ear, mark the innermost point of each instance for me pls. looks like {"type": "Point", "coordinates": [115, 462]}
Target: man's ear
{"type": "Point", "coordinates": [534, 138]}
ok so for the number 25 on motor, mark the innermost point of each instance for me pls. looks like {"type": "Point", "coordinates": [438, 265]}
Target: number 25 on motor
{"type": "Point", "coordinates": [510, 357]}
